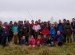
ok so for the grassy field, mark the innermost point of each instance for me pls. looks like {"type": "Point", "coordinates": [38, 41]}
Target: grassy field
{"type": "Point", "coordinates": [66, 49]}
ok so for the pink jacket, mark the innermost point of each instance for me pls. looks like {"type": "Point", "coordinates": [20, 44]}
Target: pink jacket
{"type": "Point", "coordinates": [32, 41]}
{"type": "Point", "coordinates": [36, 28]}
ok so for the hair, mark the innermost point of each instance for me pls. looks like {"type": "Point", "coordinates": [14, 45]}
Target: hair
{"type": "Point", "coordinates": [15, 23]}
{"type": "Point", "coordinates": [64, 19]}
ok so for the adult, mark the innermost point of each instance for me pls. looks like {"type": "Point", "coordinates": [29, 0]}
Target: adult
{"type": "Point", "coordinates": [73, 28]}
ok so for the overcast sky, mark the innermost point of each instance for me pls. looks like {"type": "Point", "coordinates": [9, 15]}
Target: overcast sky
{"type": "Point", "coordinates": [36, 9]}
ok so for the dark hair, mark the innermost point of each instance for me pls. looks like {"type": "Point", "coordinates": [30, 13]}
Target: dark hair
{"type": "Point", "coordinates": [15, 23]}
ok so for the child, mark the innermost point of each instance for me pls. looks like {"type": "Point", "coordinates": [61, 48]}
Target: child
{"type": "Point", "coordinates": [23, 40]}
{"type": "Point", "coordinates": [31, 41]}
{"type": "Point", "coordinates": [39, 41]}
{"type": "Point", "coordinates": [45, 39]}
{"type": "Point", "coordinates": [50, 41]}
{"type": "Point", "coordinates": [60, 39]}
{"type": "Point", "coordinates": [53, 31]}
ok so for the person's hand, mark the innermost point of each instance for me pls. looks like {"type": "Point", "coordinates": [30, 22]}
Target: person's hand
{"type": "Point", "coordinates": [40, 32]}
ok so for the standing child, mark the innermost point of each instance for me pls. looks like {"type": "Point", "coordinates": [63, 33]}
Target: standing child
{"type": "Point", "coordinates": [53, 31]}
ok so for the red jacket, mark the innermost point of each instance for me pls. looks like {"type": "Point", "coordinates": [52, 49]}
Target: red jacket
{"type": "Point", "coordinates": [45, 31]}
{"type": "Point", "coordinates": [39, 40]}
{"type": "Point", "coordinates": [7, 28]}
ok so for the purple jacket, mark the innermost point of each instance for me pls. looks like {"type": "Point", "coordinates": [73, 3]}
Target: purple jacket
{"type": "Point", "coordinates": [60, 38]}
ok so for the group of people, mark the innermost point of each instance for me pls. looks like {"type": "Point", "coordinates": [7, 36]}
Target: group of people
{"type": "Point", "coordinates": [37, 33]}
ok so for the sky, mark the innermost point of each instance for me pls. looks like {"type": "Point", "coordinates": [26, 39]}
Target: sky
{"type": "Point", "coordinates": [36, 9]}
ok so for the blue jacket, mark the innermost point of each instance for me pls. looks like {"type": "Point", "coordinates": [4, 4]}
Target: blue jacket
{"type": "Point", "coordinates": [23, 41]}
{"type": "Point", "coordinates": [52, 31]}
{"type": "Point", "coordinates": [61, 27]}
{"type": "Point", "coordinates": [15, 29]}
{"type": "Point", "coordinates": [5, 33]}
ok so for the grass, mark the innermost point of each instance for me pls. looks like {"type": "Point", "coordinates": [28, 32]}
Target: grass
{"type": "Point", "coordinates": [66, 49]}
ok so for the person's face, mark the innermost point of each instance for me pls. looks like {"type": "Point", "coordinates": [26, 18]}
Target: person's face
{"type": "Point", "coordinates": [32, 22]}
{"type": "Point", "coordinates": [49, 38]}
{"type": "Point", "coordinates": [53, 25]}
{"type": "Point", "coordinates": [24, 22]}
{"type": "Point", "coordinates": [59, 21]}
{"type": "Point", "coordinates": [39, 20]}
{"type": "Point", "coordinates": [58, 32]}
{"type": "Point", "coordinates": [36, 23]}
{"type": "Point", "coordinates": [23, 37]}
{"type": "Point", "coordinates": [28, 22]}
{"type": "Point", "coordinates": [0, 22]}
{"type": "Point", "coordinates": [73, 19]}
{"type": "Point", "coordinates": [44, 36]}
{"type": "Point", "coordinates": [15, 24]}
{"type": "Point", "coordinates": [29, 39]}
{"type": "Point", "coordinates": [39, 37]}
{"type": "Point", "coordinates": [64, 21]}
{"type": "Point", "coordinates": [10, 22]}
{"type": "Point", "coordinates": [48, 21]}
{"type": "Point", "coordinates": [32, 37]}
{"type": "Point", "coordinates": [21, 22]}
{"type": "Point", "coordinates": [67, 21]}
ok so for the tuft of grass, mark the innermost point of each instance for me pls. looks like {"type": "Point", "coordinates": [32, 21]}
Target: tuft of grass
{"type": "Point", "coordinates": [66, 49]}
{"type": "Point", "coordinates": [44, 51]}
